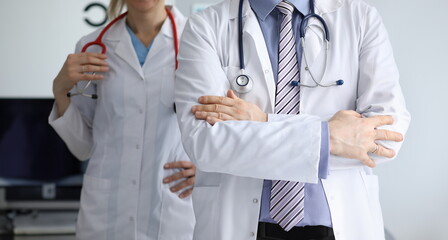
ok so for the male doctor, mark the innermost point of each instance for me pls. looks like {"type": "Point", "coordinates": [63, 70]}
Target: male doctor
{"type": "Point", "coordinates": [303, 170]}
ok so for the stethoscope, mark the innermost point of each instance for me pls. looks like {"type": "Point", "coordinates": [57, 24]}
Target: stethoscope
{"type": "Point", "coordinates": [99, 42]}
{"type": "Point", "coordinates": [243, 83]}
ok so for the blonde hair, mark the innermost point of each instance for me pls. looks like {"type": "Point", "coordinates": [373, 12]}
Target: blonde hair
{"type": "Point", "coordinates": [115, 8]}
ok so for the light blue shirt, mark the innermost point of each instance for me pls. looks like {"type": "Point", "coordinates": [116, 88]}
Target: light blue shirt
{"type": "Point", "coordinates": [316, 209]}
{"type": "Point", "coordinates": [140, 49]}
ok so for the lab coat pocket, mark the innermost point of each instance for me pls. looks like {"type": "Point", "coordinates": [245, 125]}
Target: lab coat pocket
{"type": "Point", "coordinates": [176, 217]}
{"type": "Point", "coordinates": [205, 205]}
{"type": "Point", "coordinates": [166, 77]}
{"type": "Point", "coordinates": [93, 216]}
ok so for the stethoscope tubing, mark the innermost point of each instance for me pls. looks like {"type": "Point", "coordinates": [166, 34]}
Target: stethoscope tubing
{"type": "Point", "coordinates": [99, 42]}
{"type": "Point", "coordinates": [302, 30]}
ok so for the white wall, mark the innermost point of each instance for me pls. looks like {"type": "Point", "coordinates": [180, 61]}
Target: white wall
{"type": "Point", "coordinates": [36, 38]}
{"type": "Point", "coordinates": [414, 189]}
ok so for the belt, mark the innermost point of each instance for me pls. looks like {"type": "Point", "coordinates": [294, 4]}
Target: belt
{"type": "Point", "coordinates": [271, 231]}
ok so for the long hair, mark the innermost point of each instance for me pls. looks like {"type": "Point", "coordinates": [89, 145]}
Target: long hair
{"type": "Point", "coordinates": [115, 8]}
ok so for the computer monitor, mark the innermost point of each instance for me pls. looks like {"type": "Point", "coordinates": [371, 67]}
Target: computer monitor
{"type": "Point", "coordinates": [37, 171]}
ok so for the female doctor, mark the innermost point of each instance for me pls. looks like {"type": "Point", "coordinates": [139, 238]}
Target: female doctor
{"type": "Point", "coordinates": [125, 124]}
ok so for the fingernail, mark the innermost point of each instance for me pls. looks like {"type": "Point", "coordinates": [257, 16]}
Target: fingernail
{"type": "Point", "coordinates": [172, 189]}
{"type": "Point", "coordinates": [165, 180]}
{"type": "Point", "coordinates": [166, 165]}
{"type": "Point", "coordinates": [200, 99]}
{"type": "Point", "coordinates": [193, 109]}
{"type": "Point", "coordinates": [182, 196]}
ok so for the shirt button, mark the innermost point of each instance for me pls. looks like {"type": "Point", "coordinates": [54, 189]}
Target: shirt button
{"type": "Point", "coordinates": [255, 200]}
{"type": "Point", "coordinates": [266, 71]}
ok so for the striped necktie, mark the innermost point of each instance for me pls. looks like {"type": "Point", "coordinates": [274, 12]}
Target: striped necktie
{"type": "Point", "coordinates": [287, 198]}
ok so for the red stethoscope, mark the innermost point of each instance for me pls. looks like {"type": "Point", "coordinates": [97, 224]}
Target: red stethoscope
{"type": "Point", "coordinates": [99, 42]}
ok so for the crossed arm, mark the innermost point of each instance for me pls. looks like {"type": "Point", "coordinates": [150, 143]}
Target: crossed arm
{"type": "Point", "coordinates": [351, 135]}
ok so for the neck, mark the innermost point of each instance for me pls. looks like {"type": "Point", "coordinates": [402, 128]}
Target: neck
{"type": "Point", "coordinates": [146, 25]}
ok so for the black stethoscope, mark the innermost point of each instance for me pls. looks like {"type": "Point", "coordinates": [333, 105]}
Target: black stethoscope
{"type": "Point", "coordinates": [243, 83]}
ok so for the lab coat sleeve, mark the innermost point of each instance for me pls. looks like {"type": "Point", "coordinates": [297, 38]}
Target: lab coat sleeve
{"type": "Point", "coordinates": [75, 126]}
{"type": "Point", "coordinates": [285, 147]}
{"type": "Point", "coordinates": [379, 91]}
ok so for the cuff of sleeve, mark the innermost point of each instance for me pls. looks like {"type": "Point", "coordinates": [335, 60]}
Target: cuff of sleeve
{"type": "Point", "coordinates": [54, 119]}
{"type": "Point", "coordinates": [324, 151]}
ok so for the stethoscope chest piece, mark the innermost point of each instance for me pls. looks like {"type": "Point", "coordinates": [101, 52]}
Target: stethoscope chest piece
{"type": "Point", "coordinates": [243, 84]}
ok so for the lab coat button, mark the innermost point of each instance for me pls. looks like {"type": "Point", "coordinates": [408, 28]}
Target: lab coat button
{"type": "Point", "coordinates": [140, 111]}
{"type": "Point", "coordinates": [255, 200]}
{"type": "Point", "coordinates": [137, 146]}
{"type": "Point", "coordinates": [252, 234]}
{"type": "Point", "coordinates": [134, 182]}
{"type": "Point", "coordinates": [131, 218]}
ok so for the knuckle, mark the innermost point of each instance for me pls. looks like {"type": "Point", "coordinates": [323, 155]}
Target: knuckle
{"type": "Point", "coordinates": [190, 181]}
{"type": "Point", "coordinates": [386, 135]}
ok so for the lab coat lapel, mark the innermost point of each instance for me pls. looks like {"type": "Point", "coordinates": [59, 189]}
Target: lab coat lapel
{"type": "Point", "coordinates": [163, 40]}
{"type": "Point", "coordinates": [252, 35]}
{"type": "Point", "coordinates": [120, 40]}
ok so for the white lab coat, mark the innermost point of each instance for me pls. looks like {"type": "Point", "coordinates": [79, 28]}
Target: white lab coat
{"type": "Point", "coordinates": [129, 133]}
{"type": "Point", "coordinates": [234, 157]}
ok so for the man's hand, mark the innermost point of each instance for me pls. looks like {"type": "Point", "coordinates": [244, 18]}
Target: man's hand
{"type": "Point", "coordinates": [353, 136]}
{"type": "Point", "coordinates": [220, 108]}
{"type": "Point", "coordinates": [187, 174]}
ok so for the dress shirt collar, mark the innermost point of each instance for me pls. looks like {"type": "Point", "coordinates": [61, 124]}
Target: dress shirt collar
{"type": "Point", "coordinates": [264, 7]}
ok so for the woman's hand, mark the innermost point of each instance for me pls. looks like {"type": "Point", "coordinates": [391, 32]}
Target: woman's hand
{"type": "Point", "coordinates": [219, 108]}
{"type": "Point", "coordinates": [77, 67]}
{"type": "Point", "coordinates": [186, 175]}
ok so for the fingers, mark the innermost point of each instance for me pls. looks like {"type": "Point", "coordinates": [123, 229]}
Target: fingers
{"type": "Point", "coordinates": [382, 134]}
{"type": "Point", "coordinates": [231, 94]}
{"type": "Point", "coordinates": [178, 164]}
{"type": "Point", "coordinates": [383, 152]}
{"type": "Point", "coordinates": [215, 108]}
{"type": "Point", "coordinates": [179, 175]}
{"type": "Point", "coordinates": [221, 100]}
{"type": "Point", "coordinates": [186, 173]}
{"type": "Point", "coordinates": [93, 68]}
{"type": "Point", "coordinates": [184, 185]}
{"type": "Point", "coordinates": [380, 120]}
{"type": "Point", "coordinates": [186, 193]}
{"type": "Point", "coordinates": [92, 58]}
{"type": "Point", "coordinates": [366, 160]}
{"type": "Point", "coordinates": [221, 116]}
{"type": "Point", "coordinates": [213, 120]}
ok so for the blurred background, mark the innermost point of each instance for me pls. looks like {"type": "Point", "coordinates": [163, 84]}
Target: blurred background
{"type": "Point", "coordinates": [37, 35]}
